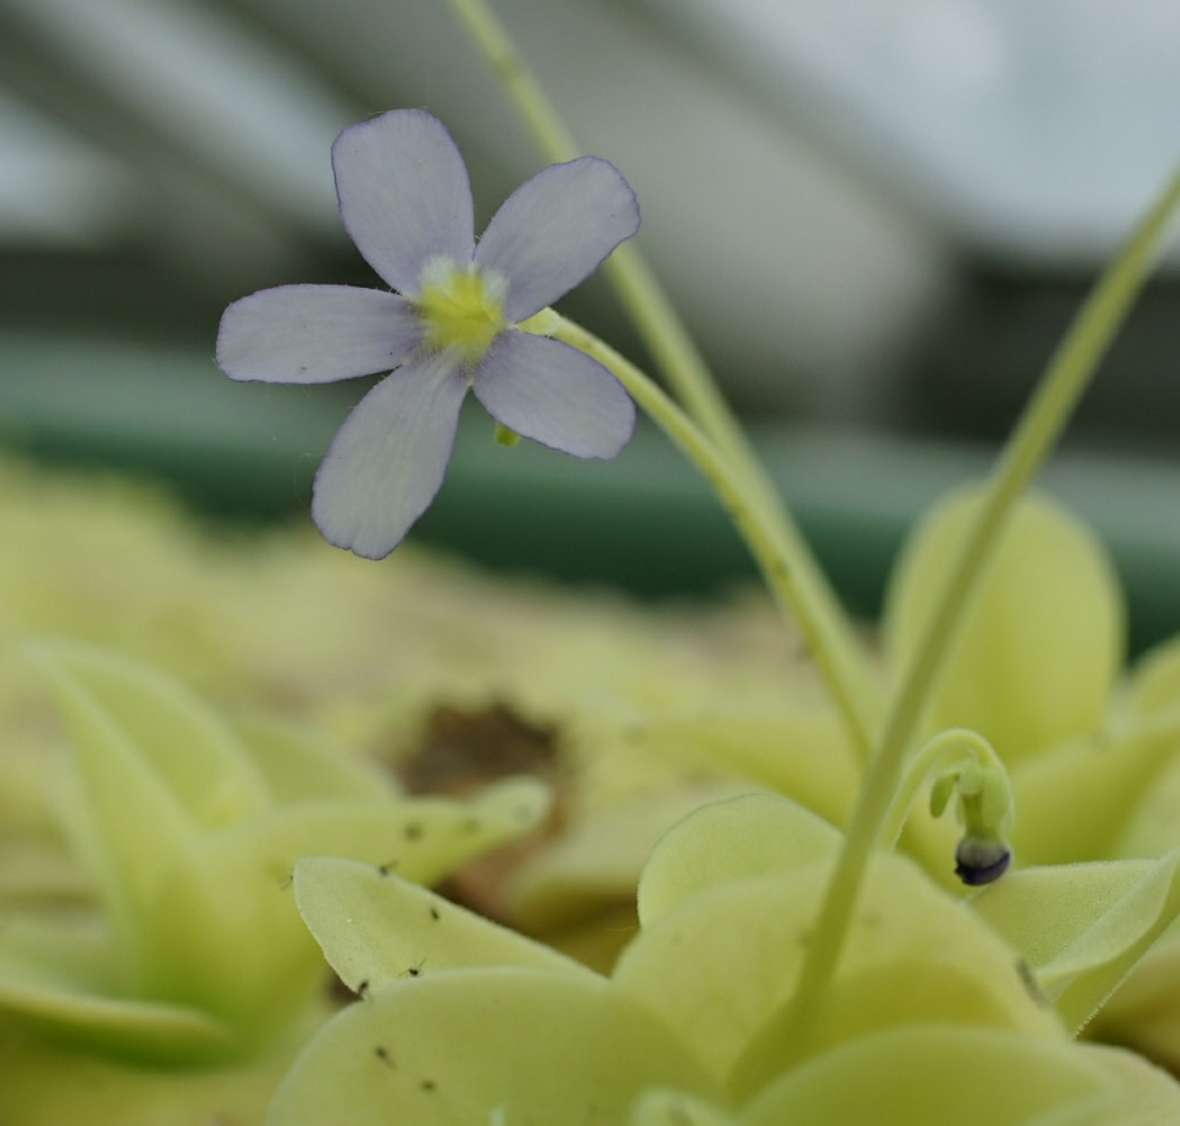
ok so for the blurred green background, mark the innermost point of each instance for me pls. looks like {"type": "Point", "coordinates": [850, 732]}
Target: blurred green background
{"type": "Point", "coordinates": [877, 219]}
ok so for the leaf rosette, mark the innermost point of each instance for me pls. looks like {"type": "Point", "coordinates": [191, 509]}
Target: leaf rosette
{"type": "Point", "coordinates": [193, 972]}
{"type": "Point", "coordinates": [464, 1021]}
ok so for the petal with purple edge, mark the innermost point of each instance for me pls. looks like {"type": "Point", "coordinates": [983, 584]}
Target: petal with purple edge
{"type": "Point", "coordinates": [404, 194]}
{"type": "Point", "coordinates": [556, 229]}
{"type": "Point", "coordinates": [546, 390]}
{"type": "Point", "coordinates": [315, 334]}
{"type": "Point", "coordinates": [388, 459]}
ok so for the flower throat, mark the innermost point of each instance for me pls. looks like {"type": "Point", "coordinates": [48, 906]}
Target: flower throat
{"type": "Point", "coordinates": [462, 310]}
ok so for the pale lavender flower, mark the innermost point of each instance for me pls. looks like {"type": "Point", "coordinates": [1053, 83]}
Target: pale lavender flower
{"type": "Point", "coordinates": [451, 326]}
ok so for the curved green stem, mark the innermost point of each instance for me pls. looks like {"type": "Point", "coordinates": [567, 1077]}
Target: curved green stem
{"type": "Point", "coordinates": [947, 749]}
{"type": "Point", "coordinates": [1069, 372]}
{"type": "Point", "coordinates": [748, 517]}
{"type": "Point", "coordinates": [846, 674]}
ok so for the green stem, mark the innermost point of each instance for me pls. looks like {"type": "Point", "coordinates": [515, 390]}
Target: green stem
{"type": "Point", "coordinates": [817, 610]}
{"type": "Point", "coordinates": [748, 517]}
{"type": "Point", "coordinates": [492, 39]}
{"type": "Point", "coordinates": [945, 750]}
{"type": "Point", "coordinates": [1069, 372]}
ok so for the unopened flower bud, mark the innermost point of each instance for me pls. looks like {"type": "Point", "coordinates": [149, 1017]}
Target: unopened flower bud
{"type": "Point", "coordinates": [981, 859]}
{"type": "Point", "coordinates": [506, 437]}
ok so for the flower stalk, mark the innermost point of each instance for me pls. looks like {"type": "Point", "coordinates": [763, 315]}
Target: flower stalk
{"type": "Point", "coordinates": [1070, 370]}
{"type": "Point", "coordinates": [809, 596]}
{"type": "Point", "coordinates": [748, 517]}
{"type": "Point", "coordinates": [962, 763]}
{"type": "Point", "coordinates": [962, 760]}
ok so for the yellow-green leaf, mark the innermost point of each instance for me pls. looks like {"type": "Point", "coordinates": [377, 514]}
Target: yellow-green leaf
{"type": "Point", "coordinates": [753, 835]}
{"type": "Point", "coordinates": [1080, 800]}
{"type": "Point", "coordinates": [1137, 1094]}
{"type": "Point", "coordinates": [597, 863]}
{"type": "Point", "coordinates": [798, 748]}
{"type": "Point", "coordinates": [1082, 927]}
{"type": "Point", "coordinates": [1144, 1012]}
{"type": "Point", "coordinates": [44, 1084]}
{"type": "Point", "coordinates": [674, 1108]}
{"type": "Point", "coordinates": [1043, 641]}
{"type": "Point", "coordinates": [52, 1002]}
{"type": "Point", "coordinates": [930, 1075]}
{"type": "Point", "coordinates": [195, 756]}
{"type": "Point", "coordinates": [298, 766]}
{"type": "Point", "coordinates": [486, 1045]}
{"type": "Point", "coordinates": [256, 962]}
{"type": "Point", "coordinates": [376, 929]}
{"type": "Point", "coordinates": [721, 967]}
{"type": "Point", "coordinates": [129, 825]}
{"type": "Point", "coordinates": [1154, 686]}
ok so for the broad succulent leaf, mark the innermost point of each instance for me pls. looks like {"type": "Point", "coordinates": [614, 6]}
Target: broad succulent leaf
{"type": "Point", "coordinates": [1138, 1093]}
{"type": "Point", "coordinates": [720, 967]}
{"type": "Point", "coordinates": [1082, 800]}
{"type": "Point", "coordinates": [300, 767]}
{"type": "Point", "coordinates": [78, 950]}
{"type": "Point", "coordinates": [258, 961]}
{"type": "Point", "coordinates": [76, 1012]}
{"type": "Point", "coordinates": [1152, 827]}
{"type": "Point", "coordinates": [194, 835]}
{"type": "Point", "coordinates": [1083, 927]}
{"type": "Point", "coordinates": [1145, 1010]}
{"type": "Point", "coordinates": [377, 929]}
{"type": "Point", "coordinates": [1122, 787]}
{"type": "Point", "coordinates": [65, 982]}
{"type": "Point", "coordinates": [798, 748]}
{"type": "Point", "coordinates": [598, 861]}
{"type": "Point", "coordinates": [195, 757]}
{"type": "Point", "coordinates": [1043, 642]}
{"type": "Point", "coordinates": [135, 824]}
{"type": "Point", "coordinates": [1150, 715]}
{"type": "Point", "coordinates": [674, 1108]}
{"type": "Point", "coordinates": [755, 835]}
{"type": "Point", "coordinates": [466, 1046]}
{"type": "Point", "coordinates": [930, 1075]}
{"type": "Point", "coordinates": [39, 876]}
{"type": "Point", "coordinates": [1154, 685]}
{"type": "Point", "coordinates": [45, 1084]}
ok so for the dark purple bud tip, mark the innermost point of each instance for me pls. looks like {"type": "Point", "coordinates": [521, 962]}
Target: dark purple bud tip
{"type": "Point", "coordinates": [979, 861]}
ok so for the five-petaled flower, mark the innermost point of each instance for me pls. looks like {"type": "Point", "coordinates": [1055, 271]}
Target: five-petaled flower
{"type": "Point", "coordinates": [451, 325]}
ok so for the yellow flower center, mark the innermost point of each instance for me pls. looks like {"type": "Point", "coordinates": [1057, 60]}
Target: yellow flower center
{"type": "Point", "coordinates": [463, 310]}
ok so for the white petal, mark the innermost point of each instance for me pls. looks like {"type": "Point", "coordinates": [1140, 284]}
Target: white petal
{"type": "Point", "coordinates": [556, 229]}
{"type": "Point", "coordinates": [404, 194]}
{"type": "Point", "coordinates": [545, 390]}
{"type": "Point", "coordinates": [388, 459]}
{"type": "Point", "coordinates": [315, 334]}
